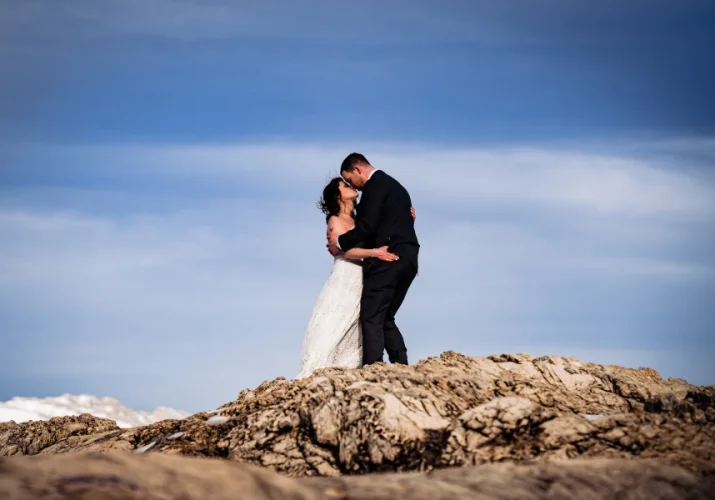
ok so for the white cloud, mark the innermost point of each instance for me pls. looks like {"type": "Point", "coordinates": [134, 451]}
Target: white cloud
{"type": "Point", "coordinates": [603, 183]}
{"type": "Point", "coordinates": [200, 296]}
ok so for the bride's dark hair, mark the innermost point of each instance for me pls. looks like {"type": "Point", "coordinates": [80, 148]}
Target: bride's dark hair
{"type": "Point", "coordinates": [329, 204]}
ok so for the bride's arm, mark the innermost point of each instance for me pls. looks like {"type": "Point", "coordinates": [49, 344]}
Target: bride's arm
{"type": "Point", "coordinates": [337, 226]}
{"type": "Point", "coordinates": [357, 253]}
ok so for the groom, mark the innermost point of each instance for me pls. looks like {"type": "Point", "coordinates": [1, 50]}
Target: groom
{"type": "Point", "coordinates": [383, 218]}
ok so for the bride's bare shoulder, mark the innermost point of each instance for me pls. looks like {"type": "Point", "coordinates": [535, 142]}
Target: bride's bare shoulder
{"type": "Point", "coordinates": [338, 225]}
{"type": "Point", "coordinates": [337, 222]}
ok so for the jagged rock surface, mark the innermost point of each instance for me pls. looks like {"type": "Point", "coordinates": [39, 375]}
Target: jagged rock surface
{"type": "Point", "coordinates": [31, 438]}
{"type": "Point", "coordinates": [451, 410]}
{"type": "Point", "coordinates": [123, 476]}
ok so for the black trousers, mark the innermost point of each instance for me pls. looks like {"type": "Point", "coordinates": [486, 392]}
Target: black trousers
{"type": "Point", "coordinates": [385, 286]}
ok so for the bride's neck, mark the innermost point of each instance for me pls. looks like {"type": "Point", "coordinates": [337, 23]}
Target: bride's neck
{"type": "Point", "coordinates": [345, 213]}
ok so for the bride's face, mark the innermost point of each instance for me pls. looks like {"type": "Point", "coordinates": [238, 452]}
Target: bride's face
{"type": "Point", "coordinates": [347, 193]}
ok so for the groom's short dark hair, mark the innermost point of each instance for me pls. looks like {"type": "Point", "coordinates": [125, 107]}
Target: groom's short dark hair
{"type": "Point", "coordinates": [352, 160]}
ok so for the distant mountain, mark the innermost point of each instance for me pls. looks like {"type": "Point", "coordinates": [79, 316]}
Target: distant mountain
{"type": "Point", "coordinates": [25, 409]}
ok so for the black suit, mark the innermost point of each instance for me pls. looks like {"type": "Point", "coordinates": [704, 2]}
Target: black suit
{"type": "Point", "coordinates": [384, 218]}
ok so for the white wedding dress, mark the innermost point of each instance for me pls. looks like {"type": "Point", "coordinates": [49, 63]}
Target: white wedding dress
{"type": "Point", "coordinates": [333, 336]}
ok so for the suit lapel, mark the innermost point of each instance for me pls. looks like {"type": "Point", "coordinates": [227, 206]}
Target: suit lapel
{"type": "Point", "coordinates": [369, 185]}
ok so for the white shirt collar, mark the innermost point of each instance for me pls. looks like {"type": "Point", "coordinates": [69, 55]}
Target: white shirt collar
{"type": "Point", "coordinates": [375, 170]}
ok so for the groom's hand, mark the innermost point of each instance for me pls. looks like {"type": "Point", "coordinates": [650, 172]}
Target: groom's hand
{"type": "Point", "coordinates": [332, 245]}
{"type": "Point", "coordinates": [333, 249]}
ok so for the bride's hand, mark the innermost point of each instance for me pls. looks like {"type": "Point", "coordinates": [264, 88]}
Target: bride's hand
{"type": "Point", "coordinates": [414, 214]}
{"type": "Point", "coordinates": [382, 254]}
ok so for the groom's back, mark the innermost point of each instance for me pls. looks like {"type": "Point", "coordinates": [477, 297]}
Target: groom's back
{"type": "Point", "coordinates": [397, 227]}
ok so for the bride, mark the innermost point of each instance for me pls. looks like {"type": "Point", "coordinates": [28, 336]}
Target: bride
{"type": "Point", "coordinates": [333, 336]}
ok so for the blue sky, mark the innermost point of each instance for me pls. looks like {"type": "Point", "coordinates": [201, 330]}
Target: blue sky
{"type": "Point", "coordinates": [161, 160]}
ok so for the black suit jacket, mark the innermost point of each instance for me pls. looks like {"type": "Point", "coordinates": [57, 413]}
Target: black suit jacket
{"type": "Point", "coordinates": [383, 218]}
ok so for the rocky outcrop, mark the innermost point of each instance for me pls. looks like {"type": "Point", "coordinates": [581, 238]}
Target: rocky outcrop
{"type": "Point", "coordinates": [31, 438]}
{"type": "Point", "coordinates": [123, 476]}
{"type": "Point", "coordinates": [451, 410]}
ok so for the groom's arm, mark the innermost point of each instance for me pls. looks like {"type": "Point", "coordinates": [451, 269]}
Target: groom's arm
{"type": "Point", "coordinates": [370, 211]}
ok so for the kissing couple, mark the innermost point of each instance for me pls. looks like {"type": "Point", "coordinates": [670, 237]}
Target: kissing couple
{"type": "Point", "coordinates": [375, 251]}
